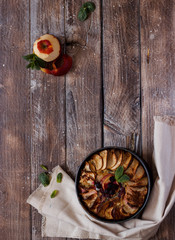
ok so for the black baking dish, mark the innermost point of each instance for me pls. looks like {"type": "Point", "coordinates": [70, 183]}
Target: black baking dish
{"type": "Point", "coordinates": [144, 165]}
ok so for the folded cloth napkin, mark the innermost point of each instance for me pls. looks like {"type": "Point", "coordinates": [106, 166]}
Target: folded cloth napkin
{"type": "Point", "coordinates": [64, 217]}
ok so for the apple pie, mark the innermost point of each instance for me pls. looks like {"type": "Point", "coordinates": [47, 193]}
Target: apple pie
{"type": "Point", "coordinates": [113, 184]}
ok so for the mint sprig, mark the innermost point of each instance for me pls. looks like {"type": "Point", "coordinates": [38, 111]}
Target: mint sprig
{"type": "Point", "coordinates": [34, 62]}
{"type": "Point", "coordinates": [119, 176]}
{"type": "Point", "coordinates": [89, 6]}
{"type": "Point", "coordinates": [84, 11]}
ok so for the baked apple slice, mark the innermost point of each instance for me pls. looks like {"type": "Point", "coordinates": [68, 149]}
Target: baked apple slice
{"type": "Point", "coordinates": [47, 47]}
{"type": "Point", "coordinates": [88, 174]}
{"type": "Point", "coordinates": [132, 168]}
{"type": "Point", "coordinates": [116, 214]}
{"type": "Point", "coordinates": [128, 208]}
{"type": "Point", "coordinates": [106, 179]}
{"type": "Point", "coordinates": [139, 190]}
{"type": "Point", "coordinates": [101, 175]}
{"type": "Point", "coordinates": [135, 196]}
{"type": "Point", "coordinates": [141, 183]}
{"type": "Point", "coordinates": [86, 182]}
{"type": "Point", "coordinates": [123, 213]}
{"type": "Point", "coordinates": [92, 167]}
{"type": "Point", "coordinates": [102, 208]}
{"type": "Point", "coordinates": [89, 193]}
{"type": "Point", "coordinates": [97, 161]}
{"type": "Point", "coordinates": [96, 205]}
{"type": "Point", "coordinates": [138, 174]}
{"type": "Point", "coordinates": [87, 167]}
{"type": "Point", "coordinates": [112, 159]}
{"type": "Point", "coordinates": [104, 154]}
{"type": "Point", "coordinates": [126, 159]}
{"type": "Point", "coordinates": [118, 155]}
{"type": "Point", "coordinates": [108, 213]}
{"type": "Point", "coordinates": [91, 200]}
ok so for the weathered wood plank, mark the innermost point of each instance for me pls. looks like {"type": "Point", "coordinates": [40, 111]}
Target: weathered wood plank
{"type": "Point", "coordinates": [121, 72]}
{"type": "Point", "coordinates": [158, 95]}
{"type": "Point", "coordinates": [14, 121]}
{"type": "Point", "coordinates": [48, 101]}
{"type": "Point", "coordinates": [83, 85]}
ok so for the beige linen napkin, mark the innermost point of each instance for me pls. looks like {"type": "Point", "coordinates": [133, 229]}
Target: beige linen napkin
{"type": "Point", "coordinates": [64, 217]}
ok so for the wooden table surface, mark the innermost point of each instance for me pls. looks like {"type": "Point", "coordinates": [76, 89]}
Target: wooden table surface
{"type": "Point", "coordinates": [108, 98]}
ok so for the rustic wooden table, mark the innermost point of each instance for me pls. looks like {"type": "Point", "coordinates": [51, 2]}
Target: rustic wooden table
{"type": "Point", "coordinates": [108, 98]}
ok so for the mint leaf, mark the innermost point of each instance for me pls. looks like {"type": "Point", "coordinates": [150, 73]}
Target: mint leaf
{"type": "Point", "coordinates": [40, 62]}
{"type": "Point", "coordinates": [54, 193]}
{"type": "Point", "coordinates": [119, 172]}
{"type": "Point", "coordinates": [84, 11]}
{"type": "Point", "coordinates": [59, 177]}
{"type": "Point", "coordinates": [82, 14]}
{"type": "Point", "coordinates": [44, 179]}
{"type": "Point", "coordinates": [29, 65]}
{"type": "Point", "coordinates": [44, 167]}
{"type": "Point", "coordinates": [35, 62]}
{"type": "Point", "coordinates": [90, 6]}
{"type": "Point", "coordinates": [36, 66]}
{"type": "Point", "coordinates": [29, 57]}
{"type": "Point", "coordinates": [124, 178]}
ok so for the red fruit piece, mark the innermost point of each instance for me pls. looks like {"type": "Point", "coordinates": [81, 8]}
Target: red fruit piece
{"type": "Point", "coordinates": [60, 66]}
{"type": "Point", "coordinates": [105, 180]}
{"type": "Point", "coordinates": [44, 46]}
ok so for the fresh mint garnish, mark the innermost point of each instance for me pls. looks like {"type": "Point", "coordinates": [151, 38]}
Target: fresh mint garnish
{"type": "Point", "coordinates": [89, 6]}
{"type": "Point", "coordinates": [124, 178]}
{"type": "Point", "coordinates": [84, 11]}
{"type": "Point", "coordinates": [119, 172]}
{"type": "Point", "coordinates": [119, 176]}
{"type": "Point", "coordinates": [34, 62]}
{"type": "Point", "coordinates": [82, 14]}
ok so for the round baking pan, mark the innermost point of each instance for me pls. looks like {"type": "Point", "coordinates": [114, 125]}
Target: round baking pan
{"type": "Point", "coordinates": [144, 165]}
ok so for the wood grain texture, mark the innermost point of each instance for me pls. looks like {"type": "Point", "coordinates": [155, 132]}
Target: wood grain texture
{"type": "Point", "coordinates": [158, 94]}
{"type": "Point", "coordinates": [121, 72]}
{"type": "Point", "coordinates": [59, 120]}
{"type": "Point", "coordinates": [14, 121]}
{"type": "Point", "coordinates": [47, 101]}
{"type": "Point", "coordinates": [83, 85]}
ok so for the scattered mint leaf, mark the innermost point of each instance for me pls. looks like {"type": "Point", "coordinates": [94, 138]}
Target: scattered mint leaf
{"type": "Point", "coordinates": [84, 11]}
{"type": "Point", "coordinates": [44, 167]}
{"type": "Point", "coordinates": [82, 15]}
{"type": "Point", "coordinates": [124, 178]}
{"type": "Point", "coordinates": [90, 6]}
{"type": "Point", "coordinates": [119, 172]}
{"type": "Point", "coordinates": [44, 179]}
{"type": "Point", "coordinates": [59, 177]}
{"type": "Point", "coordinates": [54, 193]}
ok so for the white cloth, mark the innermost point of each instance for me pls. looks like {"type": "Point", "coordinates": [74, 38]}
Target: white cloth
{"type": "Point", "coordinates": [64, 217]}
